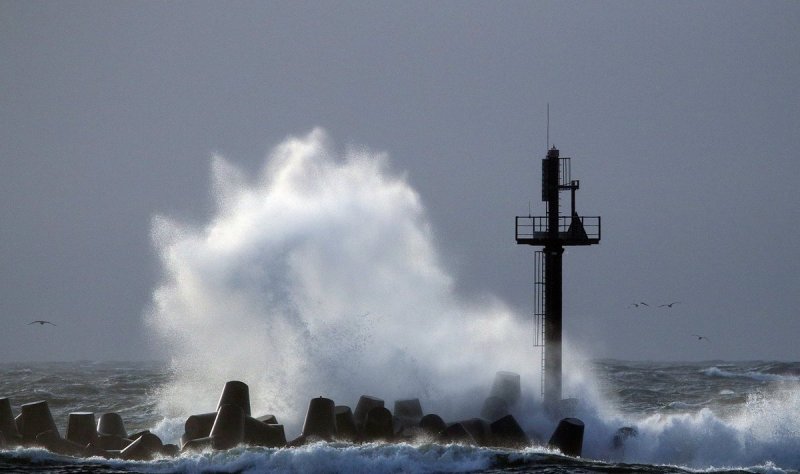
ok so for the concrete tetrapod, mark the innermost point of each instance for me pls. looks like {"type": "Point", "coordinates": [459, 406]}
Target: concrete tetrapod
{"type": "Point", "coordinates": [136, 451]}
{"type": "Point", "coordinates": [111, 424]}
{"type": "Point", "coordinates": [111, 442]}
{"type": "Point", "coordinates": [198, 426]}
{"type": "Point", "coordinates": [268, 419]}
{"type": "Point", "coordinates": [111, 433]}
{"type": "Point", "coordinates": [410, 408]}
{"type": "Point", "coordinates": [7, 424]}
{"type": "Point", "coordinates": [35, 418]}
{"type": "Point", "coordinates": [228, 429]}
{"type": "Point", "coordinates": [365, 404]}
{"type": "Point", "coordinates": [456, 433]}
{"type": "Point", "coordinates": [478, 429]}
{"type": "Point", "coordinates": [81, 428]}
{"type": "Point", "coordinates": [320, 419]}
{"type": "Point", "coordinates": [235, 393]}
{"type": "Point", "coordinates": [432, 424]}
{"type": "Point", "coordinates": [506, 432]}
{"type": "Point", "coordinates": [378, 425]}
{"type": "Point", "coordinates": [198, 444]}
{"type": "Point", "coordinates": [51, 441]}
{"type": "Point", "coordinates": [258, 433]}
{"type": "Point", "coordinates": [568, 437]}
{"type": "Point", "coordinates": [407, 414]}
{"type": "Point", "coordinates": [345, 423]}
{"type": "Point", "coordinates": [145, 446]}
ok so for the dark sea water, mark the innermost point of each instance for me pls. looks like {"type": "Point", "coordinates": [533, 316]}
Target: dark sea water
{"type": "Point", "coordinates": [690, 417]}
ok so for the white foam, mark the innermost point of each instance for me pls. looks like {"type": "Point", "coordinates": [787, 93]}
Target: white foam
{"type": "Point", "coordinates": [169, 429]}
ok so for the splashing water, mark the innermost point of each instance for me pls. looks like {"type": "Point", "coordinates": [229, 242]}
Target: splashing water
{"type": "Point", "coordinates": [320, 277]}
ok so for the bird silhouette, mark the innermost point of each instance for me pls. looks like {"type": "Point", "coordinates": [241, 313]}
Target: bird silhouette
{"type": "Point", "coordinates": [40, 322]}
{"type": "Point", "coordinates": [641, 303]}
{"type": "Point", "coordinates": [669, 305]}
{"type": "Point", "coordinates": [700, 338]}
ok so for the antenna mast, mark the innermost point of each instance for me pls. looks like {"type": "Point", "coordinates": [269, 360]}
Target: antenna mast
{"type": "Point", "coordinates": [548, 128]}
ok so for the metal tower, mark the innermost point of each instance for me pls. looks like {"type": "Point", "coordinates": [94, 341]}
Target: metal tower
{"type": "Point", "coordinates": [553, 232]}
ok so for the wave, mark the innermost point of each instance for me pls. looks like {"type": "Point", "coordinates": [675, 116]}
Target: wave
{"type": "Point", "coordinates": [678, 405]}
{"type": "Point", "coordinates": [762, 431]}
{"type": "Point", "coordinates": [753, 375]}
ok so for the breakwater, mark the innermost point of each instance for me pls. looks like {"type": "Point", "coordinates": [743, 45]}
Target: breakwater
{"type": "Point", "coordinates": [233, 424]}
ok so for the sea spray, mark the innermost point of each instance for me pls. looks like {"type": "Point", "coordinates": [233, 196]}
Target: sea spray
{"type": "Point", "coordinates": [321, 277]}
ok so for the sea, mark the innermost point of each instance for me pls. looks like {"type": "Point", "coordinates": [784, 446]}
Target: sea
{"type": "Point", "coordinates": [713, 416]}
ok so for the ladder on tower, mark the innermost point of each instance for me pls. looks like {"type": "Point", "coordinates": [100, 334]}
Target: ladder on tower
{"type": "Point", "coordinates": [539, 309]}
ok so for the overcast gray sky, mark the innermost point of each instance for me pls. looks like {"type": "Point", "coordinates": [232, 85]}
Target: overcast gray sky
{"type": "Point", "coordinates": [682, 119]}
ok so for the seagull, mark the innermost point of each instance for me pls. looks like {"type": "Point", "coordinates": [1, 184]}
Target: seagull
{"type": "Point", "coordinates": [669, 305]}
{"type": "Point", "coordinates": [641, 303]}
{"type": "Point", "coordinates": [700, 338]}
{"type": "Point", "coordinates": [40, 322]}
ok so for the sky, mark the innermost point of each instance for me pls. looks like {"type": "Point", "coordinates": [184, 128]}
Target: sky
{"type": "Point", "coordinates": [681, 119]}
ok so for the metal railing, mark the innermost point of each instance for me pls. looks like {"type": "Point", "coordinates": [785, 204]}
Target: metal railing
{"type": "Point", "coordinates": [537, 227]}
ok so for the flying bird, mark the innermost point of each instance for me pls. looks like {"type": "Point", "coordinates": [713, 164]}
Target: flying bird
{"type": "Point", "coordinates": [669, 305]}
{"type": "Point", "coordinates": [700, 338]}
{"type": "Point", "coordinates": [641, 303]}
{"type": "Point", "coordinates": [40, 322]}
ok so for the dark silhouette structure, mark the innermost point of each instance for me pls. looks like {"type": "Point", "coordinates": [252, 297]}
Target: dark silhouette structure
{"type": "Point", "coordinates": [553, 232]}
